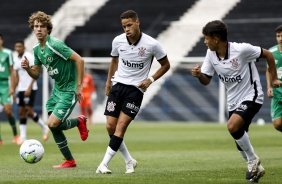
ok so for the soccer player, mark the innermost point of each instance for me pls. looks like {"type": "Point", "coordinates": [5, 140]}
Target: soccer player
{"type": "Point", "coordinates": [66, 67]}
{"type": "Point", "coordinates": [7, 90]}
{"type": "Point", "coordinates": [276, 93]}
{"type": "Point", "coordinates": [234, 63]}
{"type": "Point", "coordinates": [27, 88]}
{"type": "Point", "coordinates": [89, 94]}
{"type": "Point", "coordinates": [132, 56]}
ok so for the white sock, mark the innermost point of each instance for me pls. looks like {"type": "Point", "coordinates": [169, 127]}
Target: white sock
{"type": "Point", "coordinates": [108, 156]}
{"type": "Point", "coordinates": [23, 132]}
{"type": "Point", "coordinates": [245, 144]}
{"type": "Point", "coordinates": [243, 155]}
{"type": "Point", "coordinates": [125, 153]}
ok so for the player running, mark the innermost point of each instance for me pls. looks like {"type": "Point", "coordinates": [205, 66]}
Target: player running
{"type": "Point", "coordinates": [235, 65]}
{"type": "Point", "coordinates": [66, 67]}
{"type": "Point", "coordinates": [27, 88]}
{"type": "Point", "coordinates": [276, 93]}
{"type": "Point", "coordinates": [132, 57]}
{"type": "Point", "coordinates": [7, 89]}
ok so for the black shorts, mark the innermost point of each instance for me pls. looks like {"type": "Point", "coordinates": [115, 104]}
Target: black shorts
{"type": "Point", "coordinates": [23, 101]}
{"type": "Point", "coordinates": [125, 98]}
{"type": "Point", "coordinates": [247, 110]}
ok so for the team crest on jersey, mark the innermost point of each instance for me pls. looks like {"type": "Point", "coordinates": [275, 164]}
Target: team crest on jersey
{"type": "Point", "coordinates": [111, 106]}
{"type": "Point", "coordinates": [142, 52]}
{"type": "Point", "coordinates": [235, 63]}
{"type": "Point", "coordinates": [49, 59]}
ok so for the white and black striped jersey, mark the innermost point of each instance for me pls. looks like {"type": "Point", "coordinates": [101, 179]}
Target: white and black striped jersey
{"type": "Point", "coordinates": [135, 60]}
{"type": "Point", "coordinates": [238, 73]}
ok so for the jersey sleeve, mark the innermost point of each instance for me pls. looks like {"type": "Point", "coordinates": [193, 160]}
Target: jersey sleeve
{"type": "Point", "coordinates": [11, 59]}
{"type": "Point", "coordinates": [159, 52]}
{"type": "Point", "coordinates": [252, 53]}
{"type": "Point", "coordinates": [114, 52]}
{"type": "Point", "coordinates": [63, 50]}
{"type": "Point", "coordinates": [207, 67]}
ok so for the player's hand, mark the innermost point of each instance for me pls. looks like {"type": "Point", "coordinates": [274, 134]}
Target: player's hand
{"type": "Point", "coordinates": [145, 84]}
{"type": "Point", "coordinates": [25, 63]}
{"type": "Point", "coordinates": [79, 94]}
{"type": "Point", "coordinates": [108, 88]}
{"type": "Point", "coordinates": [11, 91]}
{"type": "Point", "coordinates": [196, 71]}
{"type": "Point", "coordinates": [277, 83]}
{"type": "Point", "coordinates": [27, 93]}
{"type": "Point", "coordinates": [270, 92]}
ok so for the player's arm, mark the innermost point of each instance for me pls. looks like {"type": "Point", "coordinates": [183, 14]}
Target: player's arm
{"type": "Point", "coordinates": [33, 72]}
{"type": "Point", "coordinates": [79, 62]}
{"type": "Point", "coordinates": [196, 72]}
{"type": "Point", "coordinates": [112, 69]}
{"type": "Point", "coordinates": [271, 67]}
{"type": "Point", "coordinates": [16, 82]}
{"type": "Point", "coordinates": [28, 91]}
{"type": "Point", "coordinates": [12, 80]}
{"type": "Point", "coordinates": [268, 83]}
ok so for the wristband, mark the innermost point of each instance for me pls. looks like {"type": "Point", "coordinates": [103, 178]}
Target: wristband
{"type": "Point", "coordinates": [152, 79]}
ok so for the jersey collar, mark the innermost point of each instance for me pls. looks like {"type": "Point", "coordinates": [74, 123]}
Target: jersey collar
{"type": "Point", "coordinates": [226, 53]}
{"type": "Point", "coordinates": [136, 41]}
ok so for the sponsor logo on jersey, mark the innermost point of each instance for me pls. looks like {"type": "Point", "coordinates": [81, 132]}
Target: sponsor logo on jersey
{"type": "Point", "coordinates": [2, 69]}
{"type": "Point", "coordinates": [232, 79]}
{"type": "Point", "coordinates": [49, 59]}
{"type": "Point", "coordinates": [234, 63]}
{"type": "Point", "coordinates": [52, 71]}
{"type": "Point", "coordinates": [111, 106]}
{"type": "Point", "coordinates": [133, 65]}
{"type": "Point", "coordinates": [133, 107]}
{"type": "Point", "coordinates": [142, 52]}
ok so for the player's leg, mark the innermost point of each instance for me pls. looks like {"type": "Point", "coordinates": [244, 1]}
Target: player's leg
{"type": "Point", "coordinates": [61, 106]}
{"type": "Point", "coordinates": [238, 125]}
{"type": "Point", "coordinates": [89, 111]}
{"type": "Point", "coordinates": [22, 126]}
{"type": "Point", "coordinates": [7, 102]}
{"type": "Point", "coordinates": [115, 141]}
{"type": "Point", "coordinates": [276, 113]}
{"type": "Point", "coordinates": [9, 113]}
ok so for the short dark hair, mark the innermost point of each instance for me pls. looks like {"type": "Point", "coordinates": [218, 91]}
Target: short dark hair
{"type": "Point", "coordinates": [216, 28]}
{"type": "Point", "coordinates": [278, 29]}
{"type": "Point", "coordinates": [129, 14]}
{"type": "Point", "coordinates": [1, 36]}
{"type": "Point", "coordinates": [20, 41]}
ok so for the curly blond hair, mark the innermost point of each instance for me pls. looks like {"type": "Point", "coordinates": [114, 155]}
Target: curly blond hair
{"type": "Point", "coordinates": [43, 18]}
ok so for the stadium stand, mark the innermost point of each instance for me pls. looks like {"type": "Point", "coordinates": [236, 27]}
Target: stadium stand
{"type": "Point", "coordinates": [105, 24]}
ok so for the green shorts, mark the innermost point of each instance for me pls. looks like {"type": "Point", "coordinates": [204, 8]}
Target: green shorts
{"type": "Point", "coordinates": [5, 98]}
{"type": "Point", "coordinates": [276, 108]}
{"type": "Point", "coordinates": [61, 104]}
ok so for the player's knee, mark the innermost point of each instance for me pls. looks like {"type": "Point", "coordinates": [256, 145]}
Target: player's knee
{"type": "Point", "coordinates": [110, 128]}
{"type": "Point", "coordinates": [277, 125]}
{"type": "Point", "coordinates": [232, 127]}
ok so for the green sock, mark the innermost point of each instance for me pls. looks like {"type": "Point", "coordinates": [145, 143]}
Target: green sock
{"type": "Point", "coordinates": [68, 124]}
{"type": "Point", "coordinates": [62, 142]}
{"type": "Point", "coordinates": [12, 122]}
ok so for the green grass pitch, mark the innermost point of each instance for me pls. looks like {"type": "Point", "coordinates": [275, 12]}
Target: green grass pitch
{"type": "Point", "coordinates": [168, 153]}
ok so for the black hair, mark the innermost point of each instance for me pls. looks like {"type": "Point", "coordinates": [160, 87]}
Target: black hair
{"type": "Point", "coordinates": [129, 14]}
{"type": "Point", "coordinates": [216, 28]}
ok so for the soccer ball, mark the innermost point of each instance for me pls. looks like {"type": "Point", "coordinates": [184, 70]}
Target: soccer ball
{"type": "Point", "coordinates": [31, 151]}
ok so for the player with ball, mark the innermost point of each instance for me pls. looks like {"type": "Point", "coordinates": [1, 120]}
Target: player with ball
{"type": "Point", "coordinates": [66, 67]}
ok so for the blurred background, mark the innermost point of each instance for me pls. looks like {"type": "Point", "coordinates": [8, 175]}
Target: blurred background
{"type": "Point", "coordinates": [89, 26]}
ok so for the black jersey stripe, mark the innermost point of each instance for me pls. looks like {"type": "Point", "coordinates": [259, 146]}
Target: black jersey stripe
{"type": "Point", "coordinates": [256, 92]}
{"type": "Point", "coordinates": [251, 73]}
